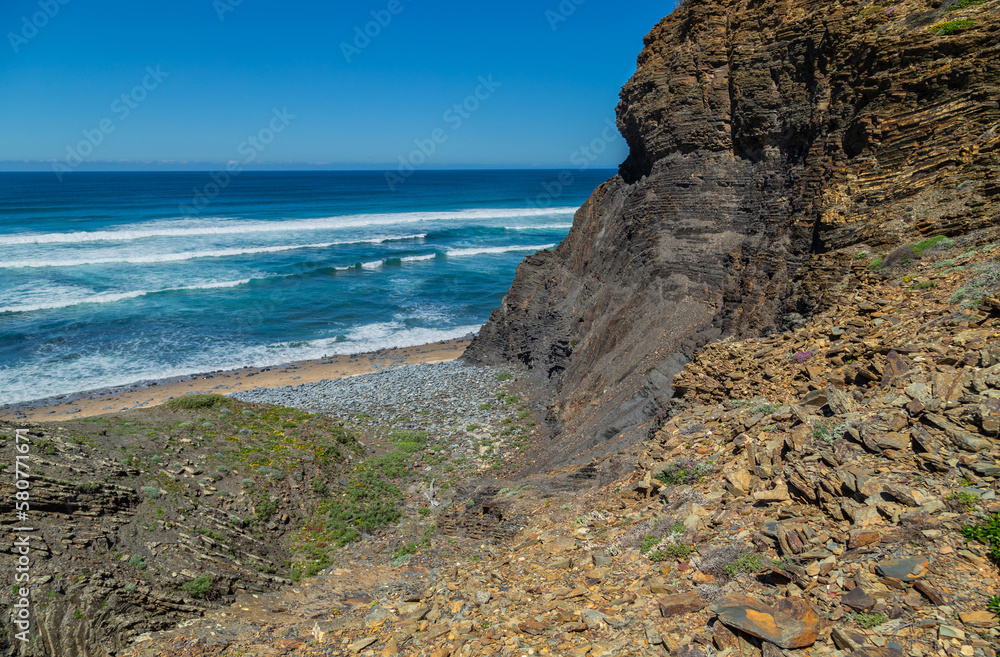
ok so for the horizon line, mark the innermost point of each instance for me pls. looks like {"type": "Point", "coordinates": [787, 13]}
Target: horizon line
{"type": "Point", "coordinates": [316, 170]}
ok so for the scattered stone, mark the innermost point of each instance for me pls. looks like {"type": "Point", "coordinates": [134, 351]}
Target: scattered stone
{"type": "Point", "coordinates": [757, 619]}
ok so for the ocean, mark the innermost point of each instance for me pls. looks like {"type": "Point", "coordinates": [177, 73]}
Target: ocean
{"type": "Point", "coordinates": [108, 279]}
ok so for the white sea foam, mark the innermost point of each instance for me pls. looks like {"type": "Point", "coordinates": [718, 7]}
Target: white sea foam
{"type": "Point", "coordinates": [41, 379]}
{"type": "Point", "coordinates": [459, 253]}
{"type": "Point", "coordinates": [156, 258]}
{"type": "Point", "coordinates": [111, 297]}
{"type": "Point", "coordinates": [541, 227]}
{"type": "Point", "coordinates": [419, 258]}
{"type": "Point", "coordinates": [230, 226]}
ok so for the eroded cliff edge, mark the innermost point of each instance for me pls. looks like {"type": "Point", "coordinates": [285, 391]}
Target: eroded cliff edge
{"type": "Point", "coordinates": [763, 138]}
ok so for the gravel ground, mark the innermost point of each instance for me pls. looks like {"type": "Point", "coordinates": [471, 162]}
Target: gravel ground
{"type": "Point", "coordinates": [454, 402]}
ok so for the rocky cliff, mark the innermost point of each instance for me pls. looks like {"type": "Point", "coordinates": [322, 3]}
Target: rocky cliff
{"type": "Point", "coordinates": [764, 137]}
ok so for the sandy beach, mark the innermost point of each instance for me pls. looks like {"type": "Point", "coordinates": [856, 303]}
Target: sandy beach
{"type": "Point", "coordinates": [153, 393]}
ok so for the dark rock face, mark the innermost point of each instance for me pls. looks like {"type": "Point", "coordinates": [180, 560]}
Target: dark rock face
{"type": "Point", "coordinates": [761, 137]}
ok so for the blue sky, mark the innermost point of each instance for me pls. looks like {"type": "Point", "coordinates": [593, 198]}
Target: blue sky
{"type": "Point", "coordinates": [186, 83]}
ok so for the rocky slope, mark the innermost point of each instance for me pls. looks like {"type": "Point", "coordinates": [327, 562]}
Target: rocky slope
{"type": "Point", "coordinates": [808, 498]}
{"type": "Point", "coordinates": [763, 138]}
{"type": "Point", "coordinates": [143, 520]}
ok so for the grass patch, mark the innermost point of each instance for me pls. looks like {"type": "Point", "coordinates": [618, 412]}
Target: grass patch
{"type": "Point", "coordinates": [197, 402]}
{"type": "Point", "coordinates": [965, 4]}
{"type": "Point", "coordinates": [940, 241]}
{"type": "Point", "coordinates": [504, 376]}
{"type": "Point", "coordinates": [876, 264]}
{"type": "Point", "coordinates": [952, 27]}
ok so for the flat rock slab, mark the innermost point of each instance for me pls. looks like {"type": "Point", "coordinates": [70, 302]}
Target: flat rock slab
{"type": "Point", "coordinates": [907, 570]}
{"type": "Point", "coordinates": [876, 652]}
{"type": "Point", "coordinates": [794, 626]}
{"type": "Point", "coordinates": [856, 598]}
{"type": "Point", "coordinates": [681, 603]}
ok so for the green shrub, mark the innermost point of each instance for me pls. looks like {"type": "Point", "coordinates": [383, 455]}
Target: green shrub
{"type": "Point", "coordinates": [152, 492]}
{"type": "Point", "coordinates": [867, 621]}
{"type": "Point", "coordinates": [266, 509]}
{"type": "Point", "coordinates": [875, 264]}
{"type": "Point", "coordinates": [656, 556]}
{"type": "Point", "coordinates": [964, 499]}
{"type": "Point", "coordinates": [208, 532]}
{"type": "Point", "coordinates": [748, 564]}
{"type": "Point", "coordinates": [137, 561]}
{"type": "Point", "coordinates": [198, 587]}
{"type": "Point", "coordinates": [986, 532]}
{"type": "Point", "coordinates": [679, 551]}
{"type": "Point", "coordinates": [407, 549]}
{"type": "Point", "coordinates": [197, 402]}
{"type": "Point", "coordinates": [648, 544]}
{"type": "Point", "coordinates": [504, 376]}
{"type": "Point", "coordinates": [986, 283]}
{"type": "Point", "coordinates": [683, 471]}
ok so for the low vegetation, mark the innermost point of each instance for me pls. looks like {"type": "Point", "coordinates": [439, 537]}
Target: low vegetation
{"type": "Point", "coordinates": [684, 471]}
{"type": "Point", "coordinates": [953, 27]}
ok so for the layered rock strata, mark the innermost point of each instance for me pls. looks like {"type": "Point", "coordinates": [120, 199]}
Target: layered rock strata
{"type": "Point", "coordinates": [763, 137]}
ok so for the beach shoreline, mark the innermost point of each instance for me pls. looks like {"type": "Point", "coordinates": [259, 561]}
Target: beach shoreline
{"type": "Point", "coordinates": [150, 393]}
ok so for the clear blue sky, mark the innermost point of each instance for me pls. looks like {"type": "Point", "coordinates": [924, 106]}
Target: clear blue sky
{"type": "Point", "coordinates": [222, 68]}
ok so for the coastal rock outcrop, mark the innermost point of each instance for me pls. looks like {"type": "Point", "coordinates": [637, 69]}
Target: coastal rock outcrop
{"type": "Point", "coordinates": [763, 138]}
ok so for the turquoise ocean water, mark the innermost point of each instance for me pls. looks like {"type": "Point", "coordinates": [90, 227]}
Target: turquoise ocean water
{"type": "Point", "coordinates": [111, 278]}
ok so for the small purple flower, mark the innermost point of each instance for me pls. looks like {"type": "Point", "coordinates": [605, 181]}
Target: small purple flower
{"type": "Point", "coordinates": [803, 356]}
